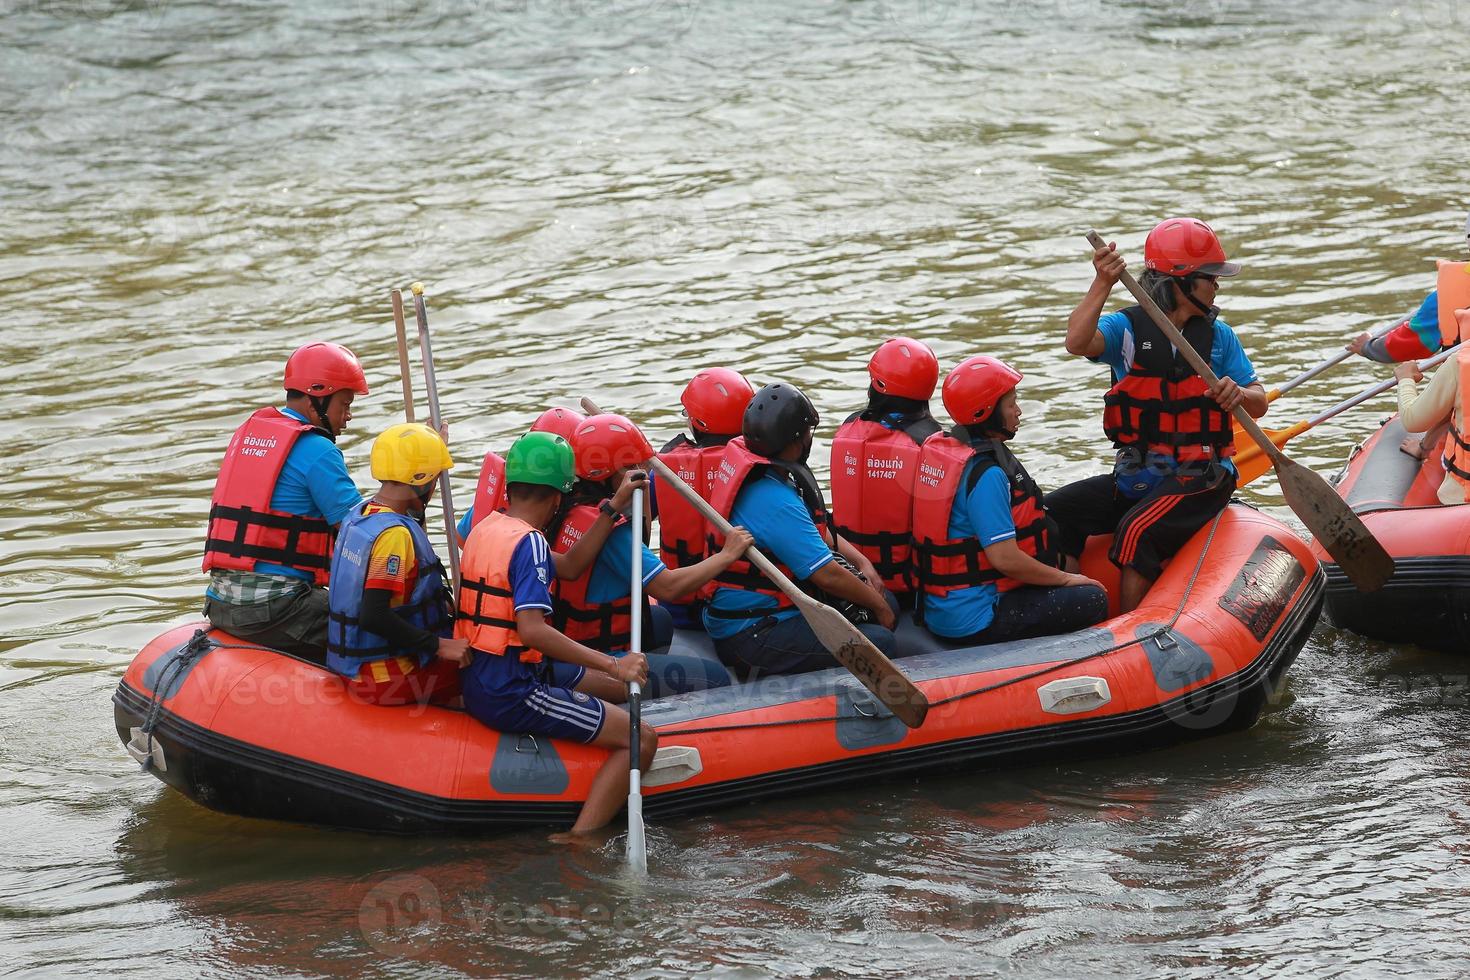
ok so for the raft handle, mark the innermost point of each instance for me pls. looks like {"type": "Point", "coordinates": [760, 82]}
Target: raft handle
{"type": "Point", "coordinates": [535, 746]}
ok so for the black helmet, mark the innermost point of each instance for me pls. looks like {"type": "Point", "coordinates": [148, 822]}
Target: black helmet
{"type": "Point", "coordinates": [776, 417]}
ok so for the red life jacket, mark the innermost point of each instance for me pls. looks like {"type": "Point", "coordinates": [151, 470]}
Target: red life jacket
{"type": "Point", "coordinates": [490, 492]}
{"type": "Point", "coordinates": [738, 466]}
{"type": "Point", "coordinates": [486, 605]}
{"type": "Point", "coordinates": [943, 564]}
{"type": "Point", "coordinates": [873, 470]}
{"type": "Point", "coordinates": [682, 533]}
{"type": "Point", "coordinates": [1161, 405]}
{"type": "Point", "coordinates": [602, 626]}
{"type": "Point", "coordinates": [243, 530]}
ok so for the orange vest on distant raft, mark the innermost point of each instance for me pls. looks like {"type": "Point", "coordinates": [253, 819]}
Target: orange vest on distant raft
{"type": "Point", "coordinates": [682, 534]}
{"type": "Point", "coordinates": [944, 564]}
{"type": "Point", "coordinates": [600, 625]}
{"type": "Point", "coordinates": [243, 529]}
{"type": "Point", "coordinates": [486, 606]}
{"type": "Point", "coordinates": [737, 466]}
{"type": "Point", "coordinates": [1453, 288]}
{"type": "Point", "coordinates": [873, 470]}
{"type": "Point", "coordinates": [490, 492]}
{"type": "Point", "coordinates": [1457, 445]}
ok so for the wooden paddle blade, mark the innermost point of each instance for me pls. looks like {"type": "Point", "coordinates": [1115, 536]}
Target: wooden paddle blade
{"type": "Point", "coordinates": [867, 663]}
{"type": "Point", "coordinates": [1332, 522]}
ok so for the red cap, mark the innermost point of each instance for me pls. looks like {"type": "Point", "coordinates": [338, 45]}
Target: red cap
{"type": "Point", "coordinates": [976, 385]}
{"type": "Point", "coordinates": [321, 368]}
{"type": "Point", "coordinates": [1182, 246]}
{"type": "Point", "coordinates": [904, 367]}
{"type": "Point", "coordinates": [715, 400]}
{"type": "Point", "coordinates": [605, 444]}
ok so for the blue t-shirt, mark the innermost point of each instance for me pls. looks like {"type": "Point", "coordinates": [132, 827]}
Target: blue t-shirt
{"type": "Point", "coordinates": [531, 573]}
{"type": "Point", "coordinates": [775, 515]}
{"type": "Point", "coordinates": [313, 483]}
{"type": "Point", "coordinates": [983, 514]}
{"type": "Point", "coordinates": [1227, 358]}
{"type": "Point", "coordinates": [612, 573]}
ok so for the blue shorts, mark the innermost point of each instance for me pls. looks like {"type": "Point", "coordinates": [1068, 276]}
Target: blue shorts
{"type": "Point", "coordinates": [548, 706]}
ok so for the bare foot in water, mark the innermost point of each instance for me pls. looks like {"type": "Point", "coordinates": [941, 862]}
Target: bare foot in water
{"type": "Point", "coordinates": [580, 840]}
{"type": "Point", "coordinates": [1412, 446]}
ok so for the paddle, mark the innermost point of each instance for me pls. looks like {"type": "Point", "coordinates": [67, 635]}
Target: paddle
{"type": "Point", "coordinates": [1251, 462]}
{"type": "Point", "coordinates": [397, 298]}
{"type": "Point", "coordinates": [1327, 516]}
{"type": "Point", "coordinates": [426, 352]}
{"type": "Point", "coordinates": [1243, 441]}
{"type": "Point", "coordinates": [637, 848]}
{"type": "Point", "coordinates": [837, 635]}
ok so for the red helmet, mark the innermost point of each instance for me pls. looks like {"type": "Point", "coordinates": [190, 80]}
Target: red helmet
{"type": "Point", "coordinates": [559, 422]}
{"type": "Point", "coordinates": [321, 368]}
{"type": "Point", "coordinates": [605, 444]}
{"type": "Point", "coordinates": [715, 400]}
{"type": "Point", "coordinates": [976, 385]}
{"type": "Point", "coordinates": [1182, 246]}
{"type": "Point", "coordinates": [904, 367]}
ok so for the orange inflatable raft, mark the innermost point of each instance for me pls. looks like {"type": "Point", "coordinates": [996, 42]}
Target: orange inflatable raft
{"type": "Point", "coordinates": [248, 731]}
{"type": "Point", "coordinates": [1427, 601]}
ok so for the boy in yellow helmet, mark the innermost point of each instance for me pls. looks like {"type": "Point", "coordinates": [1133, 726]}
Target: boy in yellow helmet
{"type": "Point", "coordinates": [389, 627]}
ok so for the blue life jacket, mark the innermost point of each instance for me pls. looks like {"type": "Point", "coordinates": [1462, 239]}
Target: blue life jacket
{"type": "Point", "coordinates": [349, 645]}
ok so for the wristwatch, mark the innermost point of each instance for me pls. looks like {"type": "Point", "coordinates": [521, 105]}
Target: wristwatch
{"type": "Point", "coordinates": [607, 508]}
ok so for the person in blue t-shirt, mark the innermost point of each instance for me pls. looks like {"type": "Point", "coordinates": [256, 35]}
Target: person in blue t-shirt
{"type": "Point", "coordinates": [273, 519]}
{"type": "Point", "coordinates": [764, 485]}
{"type": "Point", "coordinates": [596, 607]}
{"type": "Point", "coordinates": [1172, 432]}
{"type": "Point", "coordinates": [985, 557]}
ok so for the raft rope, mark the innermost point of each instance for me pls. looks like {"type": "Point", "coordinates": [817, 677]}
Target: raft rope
{"type": "Point", "coordinates": [200, 644]}
{"type": "Point", "coordinates": [976, 692]}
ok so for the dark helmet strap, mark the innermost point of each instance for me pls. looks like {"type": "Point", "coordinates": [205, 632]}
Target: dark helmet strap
{"type": "Point", "coordinates": [319, 405]}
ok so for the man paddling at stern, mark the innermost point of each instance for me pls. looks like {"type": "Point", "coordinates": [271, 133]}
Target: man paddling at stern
{"type": "Point", "coordinates": [283, 489]}
{"type": "Point", "coordinates": [1172, 432]}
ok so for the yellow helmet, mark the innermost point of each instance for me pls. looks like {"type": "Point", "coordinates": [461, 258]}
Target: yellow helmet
{"type": "Point", "coordinates": [411, 453]}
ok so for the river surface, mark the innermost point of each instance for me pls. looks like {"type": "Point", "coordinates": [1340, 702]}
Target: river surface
{"type": "Point", "coordinates": [604, 196]}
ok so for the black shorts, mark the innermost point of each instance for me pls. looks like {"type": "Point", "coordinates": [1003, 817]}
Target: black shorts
{"type": "Point", "coordinates": [1148, 531]}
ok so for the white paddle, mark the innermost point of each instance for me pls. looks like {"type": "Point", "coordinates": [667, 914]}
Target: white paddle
{"type": "Point", "coordinates": [637, 848]}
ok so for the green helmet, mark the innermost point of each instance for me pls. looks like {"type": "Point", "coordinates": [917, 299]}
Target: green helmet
{"type": "Point", "coordinates": [543, 458]}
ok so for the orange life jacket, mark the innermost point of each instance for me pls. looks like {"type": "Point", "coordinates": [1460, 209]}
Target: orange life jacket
{"type": "Point", "coordinates": [738, 466]}
{"type": "Point", "coordinates": [600, 625]}
{"type": "Point", "coordinates": [1457, 446]}
{"type": "Point", "coordinates": [943, 564]}
{"type": "Point", "coordinates": [873, 470]}
{"type": "Point", "coordinates": [486, 607]}
{"type": "Point", "coordinates": [243, 529]}
{"type": "Point", "coordinates": [1161, 404]}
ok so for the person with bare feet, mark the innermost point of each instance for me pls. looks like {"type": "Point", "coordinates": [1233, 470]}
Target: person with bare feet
{"type": "Point", "coordinates": [524, 675]}
{"type": "Point", "coordinates": [1444, 404]}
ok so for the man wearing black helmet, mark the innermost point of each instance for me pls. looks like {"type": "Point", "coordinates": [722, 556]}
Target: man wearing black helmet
{"type": "Point", "coordinates": [764, 485]}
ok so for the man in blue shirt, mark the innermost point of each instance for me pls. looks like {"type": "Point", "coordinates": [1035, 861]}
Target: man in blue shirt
{"type": "Point", "coordinates": [985, 558]}
{"type": "Point", "coordinates": [764, 485]}
{"type": "Point", "coordinates": [282, 491]}
{"type": "Point", "coordinates": [1173, 433]}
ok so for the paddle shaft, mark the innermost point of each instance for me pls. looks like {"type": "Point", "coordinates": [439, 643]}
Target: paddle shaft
{"type": "Point", "coordinates": [1331, 362]}
{"type": "Point", "coordinates": [431, 384]}
{"type": "Point", "coordinates": [403, 372]}
{"type": "Point", "coordinates": [637, 848]}
{"type": "Point", "coordinates": [1200, 365]}
{"type": "Point", "coordinates": [1280, 438]}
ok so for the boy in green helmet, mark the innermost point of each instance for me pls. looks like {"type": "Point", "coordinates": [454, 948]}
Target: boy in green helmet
{"type": "Point", "coordinates": [525, 676]}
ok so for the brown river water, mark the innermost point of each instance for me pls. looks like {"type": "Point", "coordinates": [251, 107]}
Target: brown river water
{"type": "Point", "coordinates": [604, 196]}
